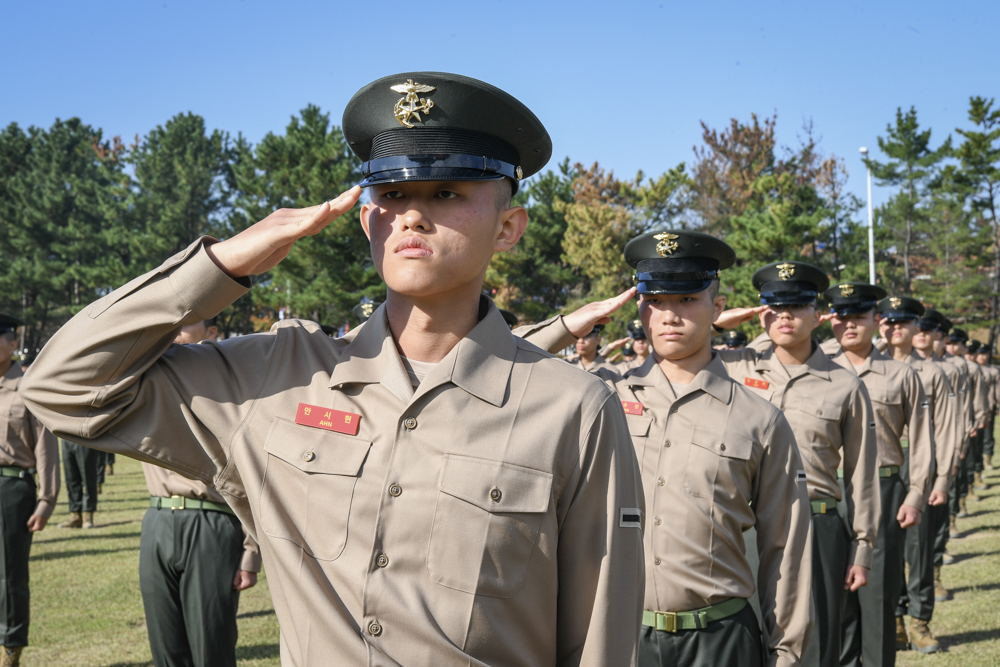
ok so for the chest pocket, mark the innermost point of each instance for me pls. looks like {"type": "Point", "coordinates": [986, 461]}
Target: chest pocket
{"type": "Point", "coordinates": [718, 464]}
{"type": "Point", "coordinates": [638, 425]}
{"type": "Point", "coordinates": [308, 487]}
{"type": "Point", "coordinates": [886, 395]}
{"type": "Point", "coordinates": [486, 523]}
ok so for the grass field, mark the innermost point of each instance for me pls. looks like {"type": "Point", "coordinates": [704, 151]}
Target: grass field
{"type": "Point", "coordinates": [87, 610]}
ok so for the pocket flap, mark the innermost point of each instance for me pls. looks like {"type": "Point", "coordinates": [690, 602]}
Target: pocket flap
{"type": "Point", "coordinates": [885, 395]}
{"type": "Point", "coordinates": [316, 450]}
{"type": "Point", "coordinates": [820, 409]}
{"type": "Point", "coordinates": [723, 443]}
{"type": "Point", "coordinates": [638, 425]}
{"type": "Point", "coordinates": [495, 486]}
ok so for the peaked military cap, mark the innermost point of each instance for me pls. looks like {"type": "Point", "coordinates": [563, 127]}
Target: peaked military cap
{"type": "Point", "coordinates": [677, 262]}
{"type": "Point", "coordinates": [327, 329]}
{"type": "Point", "coordinates": [900, 309]}
{"type": "Point", "coordinates": [635, 330]}
{"type": "Point", "coordinates": [973, 346]}
{"type": "Point", "coordinates": [508, 317]}
{"type": "Point", "coordinates": [789, 283]}
{"type": "Point", "coordinates": [8, 323]}
{"type": "Point", "coordinates": [853, 298]}
{"type": "Point", "coordinates": [958, 336]}
{"type": "Point", "coordinates": [596, 331]}
{"type": "Point", "coordinates": [946, 326]}
{"type": "Point", "coordinates": [932, 320]}
{"type": "Point", "coordinates": [733, 338]}
{"type": "Point", "coordinates": [435, 126]}
{"type": "Point", "coordinates": [628, 350]}
{"type": "Point", "coordinates": [364, 310]}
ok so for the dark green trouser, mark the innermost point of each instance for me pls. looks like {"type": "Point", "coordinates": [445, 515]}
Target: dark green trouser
{"type": "Point", "coordinates": [975, 456]}
{"type": "Point", "coordinates": [869, 629]}
{"type": "Point", "coordinates": [916, 597]}
{"type": "Point", "coordinates": [80, 468]}
{"type": "Point", "coordinates": [17, 502]}
{"type": "Point", "coordinates": [959, 487]}
{"type": "Point", "coordinates": [188, 560]}
{"type": "Point", "coordinates": [830, 548]}
{"type": "Point", "coordinates": [989, 437]}
{"type": "Point", "coordinates": [732, 642]}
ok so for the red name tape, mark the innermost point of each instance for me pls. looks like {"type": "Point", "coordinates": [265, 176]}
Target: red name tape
{"type": "Point", "coordinates": [632, 408]}
{"type": "Point", "coordinates": [331, 420]}
{"type": "Point", "coordinates": [756, 384]}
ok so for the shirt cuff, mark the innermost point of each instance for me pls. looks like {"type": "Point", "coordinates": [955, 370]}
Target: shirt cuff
{"type": "Point", "coordinates": [915, 499]}
{"type": "Point", "coordinates": [250, 561]}
{"type": "Point", "coordinates": [941, 483]}
{"type": "Point", "coordinates": [860, 554]}
{"type": "Point", "coordinates": [550, 335]}
{"type": "Point", "coordinates": [203, 287]}
{"type": "Point", "coordinates": [45, 508]}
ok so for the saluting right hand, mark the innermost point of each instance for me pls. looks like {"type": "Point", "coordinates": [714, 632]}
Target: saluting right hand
{"type": "Point", "coordinates": [581, 322]}
{"type": "Point", "coordinates": [732, 318]}
{"type": "Point", "coordinates": [263, 245]}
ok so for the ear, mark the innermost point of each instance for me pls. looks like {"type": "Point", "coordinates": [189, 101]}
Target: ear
{"type": "Point", "coordinates": [366, 212]}
{"type": "Point", "coordinates": [718, 305]}
{"type": "Point", "coordinates": [212, 333]}
{"type": "Point", "coordinates": [513, 222]}
{"type": "Point", "coordinates": [817, 317]}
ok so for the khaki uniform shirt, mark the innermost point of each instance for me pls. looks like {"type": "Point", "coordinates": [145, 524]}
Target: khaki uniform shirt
{"type": "Point", "coordinates": [958, 376]}
{"type": "Point", "coordinates": [717, 460]}
{"type": "Point", "coordinates": [967, 396]}
{"type": "Point", "coordinates": [980, 392]}
{"type": "Point", "coordinates": [831, 416]}
{"type": "Point", "coordinates": [28, 443]}
{"type": "Point", "coordinates": [902, 411]}
{"type": "Point", "coordinates": [623, 367]}
{"type": "Point", "coordinates": [164, 483]}
{"type": "Point", "coordinates": [944, 413]}
{"type": "Point", "coordinates": [479, 520]}
{"type": "Point", "coordinates": [598, 363]}
{"type": "Point", "coordinates": [992, 375]}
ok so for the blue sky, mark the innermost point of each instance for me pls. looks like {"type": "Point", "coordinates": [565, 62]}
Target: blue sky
{"type": "Point", "coordinates": [624, 83]}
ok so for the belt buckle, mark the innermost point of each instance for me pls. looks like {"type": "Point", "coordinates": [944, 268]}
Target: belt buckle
{"type": "Point", "coordinates": [174, 504]}
{"type": "Point", "coordinates": [668, 623]}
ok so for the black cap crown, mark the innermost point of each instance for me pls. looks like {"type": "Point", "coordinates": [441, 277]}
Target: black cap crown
{"type": "Point", "coordinates": [328, 330]}
{"type": "Point", "coordinates": [789, 283]}
{"type": "Point", "coordinates": [958, 336]}
{"type": "Point", "coordinates": [434, 126]}
{"type": "Point", "coordinates": [677, 261]}
{"type": "Point", "coordinates": [853, 298]}
{"type": "Point", "coordinates": [734, 338]}
{"type": "Point", "coordinates": [932, 320]}
{"type": "Point", "coordinates": [974, 346]}
{"type": "Point", "coordinates": [508, 317]}
{"type": "Point", "coordinates": [635, 330]}
{"type": "Point", "coordinates": [8, 323]}
{"type": "Point", "coordinates": [900, 309]}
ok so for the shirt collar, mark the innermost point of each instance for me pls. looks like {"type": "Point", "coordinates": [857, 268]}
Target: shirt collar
{"type": "Point", "coordinates": [480, 364]}
{"type": "Point", "coordinates": [818, 363]}
{"type": "Point", "coordinates": [712, 379]}
{"type": "Point", "coordinates": [12, 377]}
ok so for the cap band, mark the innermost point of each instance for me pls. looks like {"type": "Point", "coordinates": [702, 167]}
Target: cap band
{"type": "Point", "coordinates": [657, 282]}
{"type": "Point", "coordinates": [899, 316]}
{"type": "Point", "coordinates": [440, 167]}
{"type": "Point", "coordinates": [787, 298]}
{"type": "Point", "coordinates": [853, 307]}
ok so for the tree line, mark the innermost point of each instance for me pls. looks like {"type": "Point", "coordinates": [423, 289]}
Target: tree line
{"type": "Point", "coordinates": [81, 214]}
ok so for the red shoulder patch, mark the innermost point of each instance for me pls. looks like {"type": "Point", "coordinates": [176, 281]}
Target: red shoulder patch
{"type": "Point", "coordinates": [756, 384]}
{"type": "Point", "coordinates": [632, 408]}
{"type": "Point", "coordinates": [331, 420]}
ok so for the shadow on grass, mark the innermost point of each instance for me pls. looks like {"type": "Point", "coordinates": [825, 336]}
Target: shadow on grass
{"type": "Point", "coordinates": [961, 558]}
{"type": "Point", "coordinates": [132, 664]}
{"type": "Point", "coordinates": [89, 535]}
{"type": "Point", "coordinates": [58, 555]}
{"type": "Point", "coordinates": [970, 637]}
{"type": "Point", "coordinates": [977, 588]}
{"type": "Point", "coordinates": [259, 651]}
{"type": "Point", "coordinates": [256, 614]}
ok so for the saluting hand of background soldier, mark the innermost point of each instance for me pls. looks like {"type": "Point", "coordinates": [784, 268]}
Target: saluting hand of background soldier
{"type": "Point", "coordinates": [263, 245]}
{"type": "Point", "coordinates": [581, 321]}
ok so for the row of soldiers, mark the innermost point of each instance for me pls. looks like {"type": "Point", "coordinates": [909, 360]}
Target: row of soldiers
{"type": "Point", "coordinates": [430, 489]}
{"type": "Point", "coordinates": [929, 394]}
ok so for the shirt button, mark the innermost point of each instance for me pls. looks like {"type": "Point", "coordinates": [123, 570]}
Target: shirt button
{"type": "Point", "coordinates": [495, 495]}
{"type": "Point", "coordinates": [673, 411]}
{"type": "Point", "coordinates": [660, 481]}
{"type": "Point", "coordinates": [410, 423]}
{"type": "Point", "coordinates": [382, 560]}
{"type": "Point", "coordinates": [657, 521]}
{"type": "Point", "coordinates": [308, 456]}
{"type": "Point", "coordinates": [722, 447]}
{"type": "Point", "coordinates": [656, 561]}
{"type": "Point", "coordinates": [666, 444]}
{"type": "Point", "coordinates": [395, 490]}
{"type": "Point", "coordinates": [374, 628]}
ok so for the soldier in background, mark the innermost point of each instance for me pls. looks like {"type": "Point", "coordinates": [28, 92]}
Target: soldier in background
{"type": "Point", "coordinates": [956, 347]}
{"type": "Point", "coordinates": [984, 357]}
{"type": "Point", "coordinates": [640, 348]}
{"type": "Point", "coordinates": [588, 356]}
{"type": "Point", "coordinates": [734, 340]}
{"type": "Point", "coordinates": [80, 466]}
{"type": "Point", "coordinates": [194, 559]}
{"type": "Point", "coordinates": [28, 449]}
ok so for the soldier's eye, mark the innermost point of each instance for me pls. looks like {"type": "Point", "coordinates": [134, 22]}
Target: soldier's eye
{"type": "Point", "coordinates": [447, 194]}
{"type": "Point", "coordinates": [393, 194]}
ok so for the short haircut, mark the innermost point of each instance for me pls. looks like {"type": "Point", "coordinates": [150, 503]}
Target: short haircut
{"type": "Point", "coordinates": [10, 335]}
{"type": "Point", "coordinates": [713, 289]}
{"type": "Point", "coordinates": [502, 193]}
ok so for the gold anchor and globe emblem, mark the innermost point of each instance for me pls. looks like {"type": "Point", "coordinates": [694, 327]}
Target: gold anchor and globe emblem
{"type": "Point", "coordinates": [785, 271]}
{"type": "Point", "coordinates": [895, 302]}
{"type": "Point", "coordinates": [846, 290]}
{"type": "Point", "coordinates": [667, 244]}
{"type": "Point", "coordinates": [411, 105]}
{"type": "Point", "coordinates": [367, 309]}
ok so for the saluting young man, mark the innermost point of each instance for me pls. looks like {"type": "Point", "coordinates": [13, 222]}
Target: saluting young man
{"type": "Point", "coordinates": [927, 339]}
{"type": "Point", "coordinates": [916, 599]}
{"type": "Point", "coordinates": [902, 416]}
{"type": "Point", "coordinates": [588, 356]}
{"type": "Point", "coordinates": [194, 559]}
{"type": "Point", "coordinates": [28, 448]}
{"type": "Point", "coordinates": [716, 460]}
{"type": "Point", "coordinates": [483, 508]}
{"type": "Point", "coordinates": [831, 415]}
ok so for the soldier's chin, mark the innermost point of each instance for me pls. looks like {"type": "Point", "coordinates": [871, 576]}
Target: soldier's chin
{"type": "Point", "coordinates": [675, 350]}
